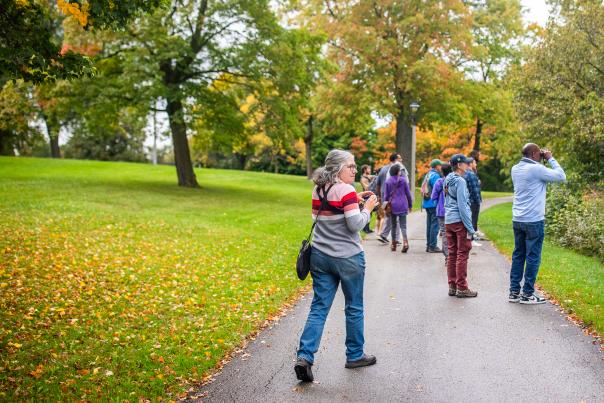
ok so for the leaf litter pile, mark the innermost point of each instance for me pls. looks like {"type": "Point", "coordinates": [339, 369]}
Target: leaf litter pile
{"type": "Point", "coordinates": [96, 303]}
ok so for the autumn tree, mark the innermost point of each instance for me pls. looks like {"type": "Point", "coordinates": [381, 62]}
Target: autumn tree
{"type": "Point", "coordinates": [192, 48]}
{"type": "Point", "coordinates": [337, 112]}
{"type": "Point", "coordinates": [560, 88]}
{"type": "Point", "coordinates": [496, 32]}
{"type": "Point", "coordinates": [31, 35]}
{"type": "Point", "coordinates": [17, 110]}
{"type": "Point", "coordinates": [398, 52]}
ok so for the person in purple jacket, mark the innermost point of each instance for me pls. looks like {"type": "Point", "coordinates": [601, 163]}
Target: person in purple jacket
{"type": "Point", "coordinates": [397, 193]}
{"type": "Point", "coordinates": [438, 194]}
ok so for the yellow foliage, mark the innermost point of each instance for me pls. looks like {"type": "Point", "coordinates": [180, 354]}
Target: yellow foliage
{"type": "Point", "coordinates": [73, 9]}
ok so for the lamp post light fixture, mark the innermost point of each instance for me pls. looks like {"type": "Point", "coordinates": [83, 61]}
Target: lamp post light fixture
{"type": "Point", "coordinates": [414, 106]}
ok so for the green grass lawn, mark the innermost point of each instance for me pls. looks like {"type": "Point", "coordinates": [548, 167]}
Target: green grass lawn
{"type": "Point", "coordinates": [574, 280]}
{"type": "Point", "coordinates": [117, 284]}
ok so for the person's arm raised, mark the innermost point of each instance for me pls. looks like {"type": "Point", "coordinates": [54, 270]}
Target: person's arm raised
{"type": "Point", "coordinates": [553, 174]}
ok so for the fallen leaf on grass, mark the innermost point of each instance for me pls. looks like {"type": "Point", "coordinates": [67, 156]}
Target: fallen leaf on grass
{"type": "Point", "coordinates": [37, 373]}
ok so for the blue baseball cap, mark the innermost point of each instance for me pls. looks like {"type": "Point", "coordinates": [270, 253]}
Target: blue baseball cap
{"type": "Point", "coordinates": [459, 158]}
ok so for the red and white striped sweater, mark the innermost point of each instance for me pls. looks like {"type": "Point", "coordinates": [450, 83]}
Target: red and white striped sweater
{"type": "Point", "coordinates": [337, 230]}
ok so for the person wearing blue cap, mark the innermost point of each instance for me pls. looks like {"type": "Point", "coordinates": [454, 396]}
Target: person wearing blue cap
{"type": "Point", "coordinates": [430, 206]}
{"type": "Point", "coordinates": [458, 227]}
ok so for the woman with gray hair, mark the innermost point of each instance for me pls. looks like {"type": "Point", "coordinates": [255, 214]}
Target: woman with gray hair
{"type": "Point", "coordinates": [337, 257]}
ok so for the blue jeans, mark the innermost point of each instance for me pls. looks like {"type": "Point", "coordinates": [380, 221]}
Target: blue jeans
{"type": "Point", "coordinates": [431, 227]}
{"type": "Point", "coordinates": [327, 272]}
{"type": "Point", "coordinates": [528, 242]}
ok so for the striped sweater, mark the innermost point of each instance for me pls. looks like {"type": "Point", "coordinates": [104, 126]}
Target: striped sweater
{"type": "Point", "coordinates": [337, 230]}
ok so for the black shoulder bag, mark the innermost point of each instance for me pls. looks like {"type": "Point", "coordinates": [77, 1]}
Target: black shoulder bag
{"type": "Point", "coordinates": [303, 261]}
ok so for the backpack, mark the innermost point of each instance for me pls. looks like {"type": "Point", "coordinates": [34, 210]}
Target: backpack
{"type": "Point", "coordinates": [373, 184]}
{"type": "Point", "coordinates": [426, 188]}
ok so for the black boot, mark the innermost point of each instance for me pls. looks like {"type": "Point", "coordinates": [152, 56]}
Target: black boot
{"type": "Point", "coordinates": [303, 370]}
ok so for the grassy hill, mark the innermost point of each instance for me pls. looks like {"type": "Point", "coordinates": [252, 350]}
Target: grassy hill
{"type": "Point", "coordinates": [117, 284]}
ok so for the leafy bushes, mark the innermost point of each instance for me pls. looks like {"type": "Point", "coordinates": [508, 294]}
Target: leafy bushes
{"type": "Point", "coordinates": [575, 218]}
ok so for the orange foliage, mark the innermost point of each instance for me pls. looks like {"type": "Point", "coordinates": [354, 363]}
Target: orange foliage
{"type": "Point", "coordinates": [90, 49]}
{"type": "Point", "coordinates": [358, 147]}
{"type": "Point", "coordinates": [441, 143]}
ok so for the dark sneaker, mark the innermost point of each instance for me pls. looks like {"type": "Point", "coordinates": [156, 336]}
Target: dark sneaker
{"type": "Point", "coordinates": [532, 300]}
{"type": "Point", "coordinates": [369, 231]}
{"type": "Point", "coordinates": [434, 250]}
{"type": "Point", "coordinates": [364, 361]}
{"type": "Point", "coordinates": [514, 297]}
{"type": "Point", "coordinates": [303, 370]}
{"type": "Point", "coordinates": [382, 239]}
{"type": "Point", "coordinates": [452, 290]}
{"type": "Point", "coordinates": [467, 293]}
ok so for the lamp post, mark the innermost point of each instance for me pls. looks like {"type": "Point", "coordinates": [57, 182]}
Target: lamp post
{"type": "Point", "coordinates": [414, 107]}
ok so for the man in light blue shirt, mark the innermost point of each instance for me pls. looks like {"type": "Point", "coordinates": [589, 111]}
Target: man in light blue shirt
{"type": "Point", "coordinates": [530, 180]}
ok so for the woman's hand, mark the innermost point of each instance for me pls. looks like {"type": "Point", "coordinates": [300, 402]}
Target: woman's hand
{"type": "Point", "coordinates": [363, 195]}
{"type": "Point", "coordinates": [371, 202]}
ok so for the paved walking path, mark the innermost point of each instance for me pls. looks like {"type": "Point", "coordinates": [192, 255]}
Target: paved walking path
{"type": "Point", "coordinates": [430, 347]}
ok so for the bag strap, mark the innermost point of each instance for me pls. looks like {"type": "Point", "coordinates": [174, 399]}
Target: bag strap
{"type": "Point", "coordinates": [447, 193]}
{"type": "Point", "coordinates": [323, 203]}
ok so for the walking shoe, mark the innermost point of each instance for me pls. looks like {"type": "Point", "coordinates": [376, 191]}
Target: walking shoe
{"type": "Point", "coordinates": [467, 293]}
{"type": "Point", "coordinates": [364, 361]}
{"type": "Point", "coordinates": [474, 243]}
{"type": "Point", "coordinates": [382, 239]}
{"type": "Point", "coordinates": [452, 290]}
{"type": "Point", "coordinates": [532, 300]}
{"type": "Point", "coordinates": [393, 246]}
{"type": "Point", "coordinates": [514, 297]}
{"type": "Point", "coordinates": [303, 371]}
{"type": "Point", "coordinates": [436, 249]}
{"type": "Point", "coordinates": [405, 247]}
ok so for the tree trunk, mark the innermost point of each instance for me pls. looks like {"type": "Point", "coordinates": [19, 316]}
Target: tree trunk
{"type": "Point", "coordinates": [53, 138]}
{"type": "Point", "coordinates": [182, 155]}
{"type": "Point", "coordinates": [55, 151]}
{"type": "Point", "coordinates": [6, 146]}
{"type": "Point", "coordinates": [308, 144]}
{"type": "Point", "coordinates": [477, 138]}
{"type": "Point", "coordinates": [405, 144]}
{"type": "Point", "coordinates": [241, 160]}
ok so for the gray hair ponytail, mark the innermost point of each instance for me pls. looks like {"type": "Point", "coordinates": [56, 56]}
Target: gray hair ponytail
{"type": "Point", "coordinates": [333, 165]}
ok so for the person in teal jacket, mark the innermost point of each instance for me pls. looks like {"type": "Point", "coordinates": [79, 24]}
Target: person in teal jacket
{"type": "Point", "coordinates": [430, 206]}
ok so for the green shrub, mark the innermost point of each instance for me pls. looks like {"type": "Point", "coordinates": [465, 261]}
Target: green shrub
{"type": "Point", "coordinates": [575, 218]}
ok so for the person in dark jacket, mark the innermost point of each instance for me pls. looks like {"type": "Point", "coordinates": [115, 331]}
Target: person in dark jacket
{"type": "Point", "coordinates": [438, 194]}
{"type": "Point", "coordinates": [473, 183]}
{"type": "Point", "coordinates": [397, 193]}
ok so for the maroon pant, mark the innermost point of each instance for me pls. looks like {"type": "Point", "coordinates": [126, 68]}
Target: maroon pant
{"type": "Point", "coordinates": [459, 250]}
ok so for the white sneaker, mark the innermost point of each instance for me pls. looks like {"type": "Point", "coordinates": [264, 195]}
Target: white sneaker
{"type": "Point", "coordinates": [480, 236]}
{"type": "Point", "coordinates": [532, 300]}
{"type": "Point", "coordinates": [474, 243]}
